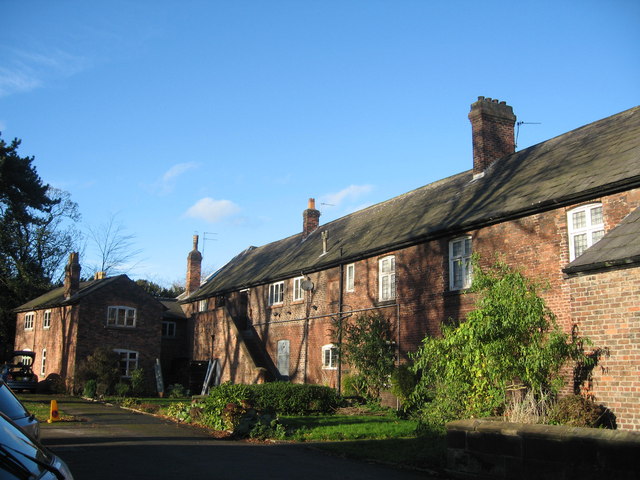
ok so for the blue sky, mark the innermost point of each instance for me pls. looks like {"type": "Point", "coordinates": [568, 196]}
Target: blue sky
{"type": "Point", "coordinates": [183, 117]}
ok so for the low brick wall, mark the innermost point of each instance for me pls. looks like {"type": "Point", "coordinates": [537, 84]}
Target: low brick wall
{"type": "Point", "coordinates": [494, 449]}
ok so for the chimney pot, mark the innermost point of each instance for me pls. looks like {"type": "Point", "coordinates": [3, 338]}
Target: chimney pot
{"type": "Point", "coordinates": [492, 123]}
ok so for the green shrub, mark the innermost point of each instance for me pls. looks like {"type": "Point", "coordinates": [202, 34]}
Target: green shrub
{"type": "Point", "coordinates": [510, 336]}
{"type": "Point", "coordinates": [293, 399]}
{"type": "Point", "coordinates": [130, 402]}
{"type": "Point", "coordinates": [103, 366]}
{"type": "Point", "coordinates": [577, 411]}
{"type": "Point", "coordinates": [89, 390]}
{"type": "Point", "coordinates": [180, 411]}
{"type": "Point", "coordinates": [177, 391]}
{"type": "Point", "coordinates": [122, 389]}
{"type": "Point", "coordinates": [354, 385]}
{"type": "Point", "coordinates": [219, 406]}
{"type": "Point", "coordinates": [138, 382]}
{"type": "Point", "coordinates": [403, 381]}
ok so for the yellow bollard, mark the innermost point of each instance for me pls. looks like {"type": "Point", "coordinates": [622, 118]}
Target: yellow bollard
{"type": "Point", "coordinates": [54, 415]}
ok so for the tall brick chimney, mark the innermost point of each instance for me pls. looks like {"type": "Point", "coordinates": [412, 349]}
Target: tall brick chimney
{"type": "Point", "coordinates": [71, 276]}
{"type": "Point", "coordinates": [194, 263]}
{"type": "Point", "coordinates": [310, 218]}
{"type": "Point", "coordinates": [492, 124]}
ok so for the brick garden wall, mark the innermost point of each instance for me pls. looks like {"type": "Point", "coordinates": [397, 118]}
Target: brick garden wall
{"type": "Point", "coordinates": [493, 450]}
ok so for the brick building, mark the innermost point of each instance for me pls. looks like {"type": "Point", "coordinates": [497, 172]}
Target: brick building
{"type": "Point", "coordinates": [65, 325]}
{"type": "Point", "coordinates": [271, 311]}
{"type": "Point", "coordinates": [605, 287]}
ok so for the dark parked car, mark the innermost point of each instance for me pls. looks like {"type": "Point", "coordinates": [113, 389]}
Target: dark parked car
{"type": "Point", "coordinates": [18, 374]}
{"type": "Point", "coordinates": [23, 457]}
{"type": "Point", "coordinates": [13, 408]}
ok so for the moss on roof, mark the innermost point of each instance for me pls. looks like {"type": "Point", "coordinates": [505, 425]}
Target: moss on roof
{"type": "Point", "coordinates": [600, 158]}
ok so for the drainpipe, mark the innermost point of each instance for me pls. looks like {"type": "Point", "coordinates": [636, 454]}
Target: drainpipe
{"type": "Point", "coordinates": [340, 306]}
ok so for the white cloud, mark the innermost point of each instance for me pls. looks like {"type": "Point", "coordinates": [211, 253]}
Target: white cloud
{"type": "Point", "coordinates": [352, 192]}
{"type": "Point", "coordinates": [166, 183]}
{"type": "Point", "coordinates": [28, 70]}
{"type": "Point", "coordinates": [177, 170]}
{"type": "Point", "coordinates": [212, 210]}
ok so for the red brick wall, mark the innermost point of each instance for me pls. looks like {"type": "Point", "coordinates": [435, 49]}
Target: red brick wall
{"type": "Point", "coordinates": [145, 338]}
{"type": "Point", "coordinates": [77, 330]}
{"type": "Point", "coordinates": [537, 244]}
{"type": "Point", "coordinates": [59, 340]}
{"type": "Point", "coordinates": [606, 308]}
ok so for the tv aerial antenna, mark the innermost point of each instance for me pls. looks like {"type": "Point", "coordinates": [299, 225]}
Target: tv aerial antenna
{"type": "Point", "coordinates": [518, 129]}
{"type": "Point", "coordinates": [206, 238]}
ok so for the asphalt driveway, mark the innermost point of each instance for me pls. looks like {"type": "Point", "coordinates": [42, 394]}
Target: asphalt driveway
{"type": "Point", "coordinates": [116, 443]}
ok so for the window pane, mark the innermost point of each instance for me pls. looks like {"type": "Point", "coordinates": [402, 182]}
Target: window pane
{"type": "Point", "coordinates": [457, 248]}
{"type": "Point", "coordinates": [392, 285]}
{"type": "Point", "coordinates": [579, 244]}
{"type": "Point", "coordinates": [457, 273]}
{"type": "Point", "coordinates": [467, 246]}
{"type": "Point", "coordinates": [596, 216]}
{"type": "Point", "coordinates": [596, 236]}
{"type": "Point", "coordinates": [131, 317]}
{"type": "Point", "coordinates": [385, 287]}
{"type": "Point", "coordinates": [579, 220]}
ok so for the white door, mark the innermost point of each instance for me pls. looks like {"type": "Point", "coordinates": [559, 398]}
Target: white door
{"type": "Point", "coordinates": [283, 357]}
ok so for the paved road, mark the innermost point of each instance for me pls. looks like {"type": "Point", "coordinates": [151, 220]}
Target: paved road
{"type": "Point", "coordinates": [116, 443]}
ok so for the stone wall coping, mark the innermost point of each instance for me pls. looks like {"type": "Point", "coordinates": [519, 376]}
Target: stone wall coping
{"type": "Point", "coordinates": [552, 432]}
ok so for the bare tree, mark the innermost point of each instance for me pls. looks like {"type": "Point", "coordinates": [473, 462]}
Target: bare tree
{"type": "Point", "coordinates": [115, 247]}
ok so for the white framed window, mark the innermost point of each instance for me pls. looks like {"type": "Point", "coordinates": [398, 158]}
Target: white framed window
{"type": "Point", "coordinates": [121, 317]}
{"type": "Point", "coordinates": [387, 278]}
{"type": "Point", "coordinates": [43, 362]}
{"type": "Point", "coordinates": [329, 357]}
{"type": "Point", "coordinates": [586, 227]}
{"type": "Point", "coordinates": [203, 305]}
{"type": "Point", "coordinates": [29, 320]}
{"type": "Point", "coordinates": [128, 361]}
{"type": "Point", "coordinates": [298, 292]}
{"type": "Point", "coordinates": [46, 320]}
{"type": "Point", "coordinates": [276, 293]}
{"type": "Point", "coordinates": [350, 280]}
{"type": "Point", "coordinates": [168, 329]}
{"type": "Point", "coordinates": [460, 274]}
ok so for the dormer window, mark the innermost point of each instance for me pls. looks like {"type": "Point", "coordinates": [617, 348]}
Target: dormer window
{"type": "Point", "coordinates": [121, 317]}
{"type": "Point", "coordinates": [586, 227]}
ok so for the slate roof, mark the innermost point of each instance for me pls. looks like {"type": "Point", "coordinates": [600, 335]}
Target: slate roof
{"type": "Point", "coordinates": [55, 297]}
{"type": "Point", "coordinates": [173, 309]}
{"type": "Point", "coordinates": [597, 159]}
{"type": "Point", "coordinates": [618, 248]}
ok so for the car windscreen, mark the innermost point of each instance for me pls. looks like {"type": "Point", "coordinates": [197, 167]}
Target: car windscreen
{"type": "Point", "coordinates": [19, 451]}
{"type": "Point", "coordinates": [10, 405]}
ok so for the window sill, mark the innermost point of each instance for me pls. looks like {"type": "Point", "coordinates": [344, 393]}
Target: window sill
{"type": "Point", "coordinates": [384, 303]}
{"type": "Point", "coordinates": [329, 368]}
{"type": "Point", "coordinates": [453, 293]}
